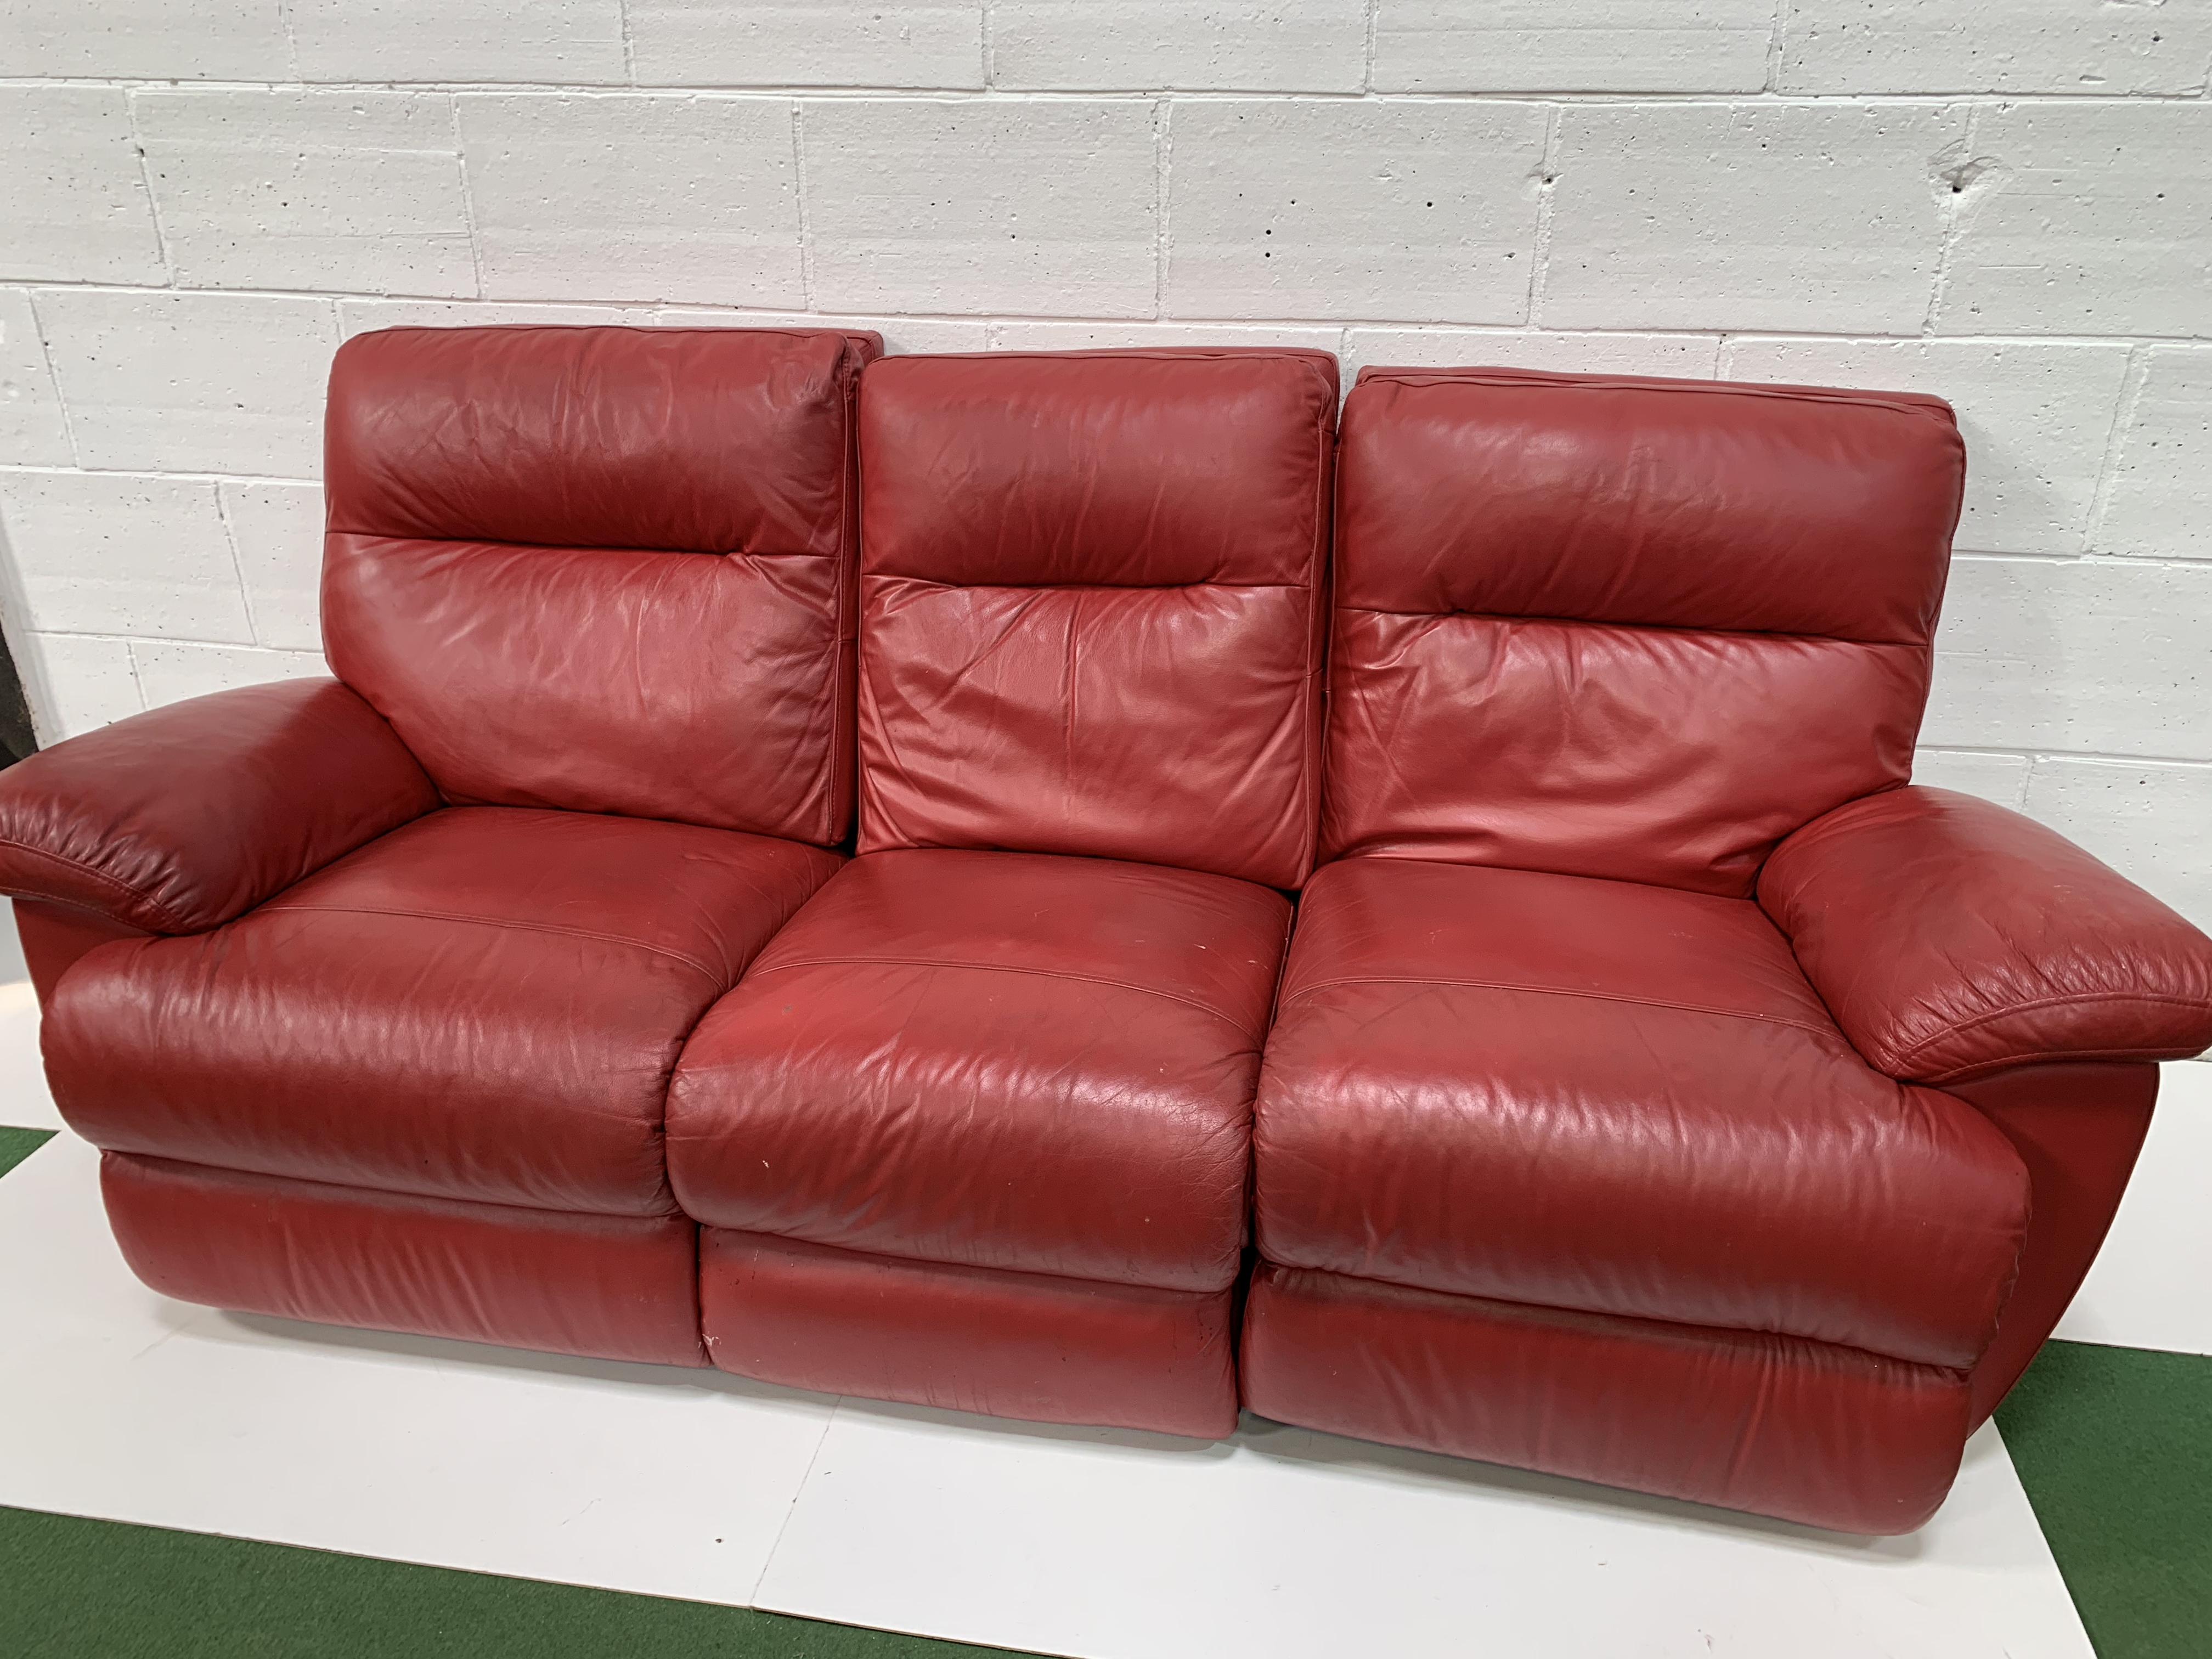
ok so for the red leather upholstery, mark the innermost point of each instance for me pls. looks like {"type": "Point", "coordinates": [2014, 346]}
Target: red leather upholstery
{"type": "Point", "coordinates": [1828, 1436]}
{"type": "Point", "coordinates": [1578, 618]}
{"type": "Point", "coordinates": [54, 935]}
{"type": "Point", "coordinates": [485, 1003]}
{"type": "Point", "coordinates": [1954, 939]}
{"type": "Point", "coordinates": [601, 568]}
{"type": "Point", "coordinates": [1013, 1344]}
{"type": "Point", "coordinates": [994, 1059]}
{"type": "Point", "coordinates": [1091, 604]}
{"type": "Point", "coordinates": [613, 1287]}
{"type": "Point", "coordinates": [176, 820]}
{"type": "Point", "coordinates": [1617, 1099]}
{"type": "Point", "coordinates": [2077, 1126]}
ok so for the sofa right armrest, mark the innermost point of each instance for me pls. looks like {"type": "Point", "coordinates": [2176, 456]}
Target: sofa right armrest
{"type": "Point", "coordinates": [177, 820]}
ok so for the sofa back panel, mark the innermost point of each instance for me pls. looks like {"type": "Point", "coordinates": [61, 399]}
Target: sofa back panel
{"type": "Point", "coordinates": [603, 569]}
{"type": "Point", "coordinates": [1091, 608]}
{"type": "Point", "coordinates": [1675, 503]}
{"type": "Point", "coordinates": [666, 685]}
{"type": "Point", "coordinates": [1640, 630]}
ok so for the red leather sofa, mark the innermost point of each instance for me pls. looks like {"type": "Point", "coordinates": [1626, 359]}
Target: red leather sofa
{"type": "Point", "coordinates": [797, 869]}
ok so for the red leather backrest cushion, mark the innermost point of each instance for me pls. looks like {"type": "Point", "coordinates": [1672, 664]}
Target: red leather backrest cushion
{"type": "Point", "coordinates": [1634, 629]}
{"type": "Point", "coordinates": [606, 570]}
{"type": "Point", "coordinates": [1091, 604]}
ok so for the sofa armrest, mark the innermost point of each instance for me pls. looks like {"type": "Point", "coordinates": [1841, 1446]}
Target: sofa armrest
{"type": "Point", "coordinates": [177, 820]}
{"type": "Point", "coordinates": [1951, 937]}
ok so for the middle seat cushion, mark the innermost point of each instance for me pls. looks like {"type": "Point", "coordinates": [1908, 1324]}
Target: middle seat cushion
{"type": "Point", "coordinates": [992, 1060]}
{"type": "Point", "coordinates": [485, 1004]}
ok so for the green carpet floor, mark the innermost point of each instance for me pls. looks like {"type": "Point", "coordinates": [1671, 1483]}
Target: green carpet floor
{"type": "Point", "coordinates": [2114, 1446]}
{"type": "Point", "coordinates": [97, 1589]}
{"type": "Point", "coordinates": [16, 1144]}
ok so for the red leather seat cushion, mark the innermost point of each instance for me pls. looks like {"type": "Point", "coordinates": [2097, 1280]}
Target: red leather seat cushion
{"type": "Point", "coordinates": [1620, 1099]}
{"type": "Point", "coordinates": [994, 1060]}
{"type": "Point", "coordinates": [485, 1003]}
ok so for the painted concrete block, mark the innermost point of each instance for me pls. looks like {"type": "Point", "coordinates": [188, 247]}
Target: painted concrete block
{"type": "Point", "coordinates": [2099, 657]}
{"type": "Point", "coordinates": [33, 431]}
{"type": "Point", "coordinates": [975, 205]}
{"type": "Point", "coordinates": [1819, 218]}
{"type": "Point", "coordinates": [75, 684]}
{"type": "Point", "coordinates": [111, 553]}
{"type": "Point", "coordinates": [1530, 45]}
{"type": "Point", "coordinates": [338, 190]}
{"type": "Point", "coordinates": [636, 197]}
{"type": "Point", "coordinates": [1354, 211]}
{"type": "Point", "coordinates": [2035, 415]}
{"type": "Point", "coordinates": [2158, 499]}
{"type": "Point", "coordinates": [191, 383]}
{"type": "Point", "coordinates": [1142, 45]}
{"type": "Point", "coordinates": [2145, 820]}
{"type": "Point", "coordinates": [807, 43]}
{"type": "Point", "coordinates": [277, 533]}
{"type": "Point", "coordinates": [572, 42]}
{"type": "Point", "coordinates": [151, 40]}
{"type": "Point", "coordinates": [900, 333]}
{"type": "Point", "coordinates": [2085, 219]}
{"type": "Point", "coordinates": [1116, 337]}
{"type": "Point", "coordinates": [362, 316]}
{"type": "Point", "coordinates": [1690, 356]}
{"type": "Point", "coordinates": [2000, 778]}
{"type": "Point", "coordinates": [2082, 46]}
{"type": "Point", "coordinates": [169, 671]}
{"type": "Point", "coordinates": [75, 207]}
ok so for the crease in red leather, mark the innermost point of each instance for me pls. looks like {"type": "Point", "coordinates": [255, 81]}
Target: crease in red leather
{"type": "Point", "coordinates": [1092, 600]}
{"type": "Point", "coordinates": [1953, 938]}
{"type": "Point", "coordinates": [603, 569]}
{"type": "Point", "coordinates": [1024, 1346]}
{"type": "Point", "coordinates": [1045, 1119]}
{"type": "Point", "coordinates": [1546, 1143]}
{"type": "Point", "coordinates": [176, 820]}
{"type": "Point", "coordinates": [612, 1287]}
{"type": "Point", "coordinates": [367, 1046]}
{"type": "Point", "coordinates": [1824, 1436]}
{"type": "Point", "coordinates": [1580, 617]}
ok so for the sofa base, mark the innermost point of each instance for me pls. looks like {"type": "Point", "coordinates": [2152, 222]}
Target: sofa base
{"type": "Point", "coordinates": [1808, 1431]}
{"type": "Point", "coordinates": [604, 1287]}
{"type": "Point", "coordinates": [1027, 1346]}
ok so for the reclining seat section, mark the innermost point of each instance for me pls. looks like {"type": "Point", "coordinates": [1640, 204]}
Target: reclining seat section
{"type": "Point", "coordinates": [1664, 1093]}
{"type": "Point", "coordinates": [975, 1130]}
{"type": "Point", "coordinates": [396, 967]}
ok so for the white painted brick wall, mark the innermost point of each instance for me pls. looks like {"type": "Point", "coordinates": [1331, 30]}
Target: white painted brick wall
{"type": "Point", "coordinates": [2005, 201]}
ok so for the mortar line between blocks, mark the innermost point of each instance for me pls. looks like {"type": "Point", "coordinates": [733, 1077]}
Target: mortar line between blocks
{"type": "Point", "coordinates": [238, 565]}
{"type": "Point", "coordinates": [630, 51]}
{"type": "Point", "coordinates": [1163, 162]}
{"type": "Point", "coordinates": [468, 200]}
{"type": "Point", "coordinates": [1947, 231]}
{"type": "Point", "coordinates": [146, 184]}
{"type": "Point", "coordinates": [2133, 385]}
{"type": "Point", "coordinates": [1774, 34]}
{"type": "Point", "coordinates": [54, 379]}
{"type": "Point", "coordinates": [798, 189]}
{"type": "Point", "coordinates": [1539, 254]}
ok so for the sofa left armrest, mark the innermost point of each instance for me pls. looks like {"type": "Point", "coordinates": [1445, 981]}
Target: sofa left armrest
{"type": "Point", "coordinates": [1951, 937]}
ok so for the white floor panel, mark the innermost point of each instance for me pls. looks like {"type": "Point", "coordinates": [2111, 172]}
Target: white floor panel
{"type": "Point", "coordinates": [1297, 1545]}
{"type": "Point", "coordinates": [2148, 1289]}
{"type": "Point", "coordinates": [24, 1102]}
{"type": "Point", "coordinates": [632, 1477]}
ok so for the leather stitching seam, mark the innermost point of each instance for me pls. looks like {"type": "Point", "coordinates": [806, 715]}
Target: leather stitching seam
{"type": "Point", "coordinates": [1555, 991]}
{"type": "Point", "coordinates": [78, 867]}
{"type": "Point", "coordinates": [1002, 968]}
{"type": "Point", "coordinates": [2069, 999]}
{"type": "Point", "coordinates": [684, 957]}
